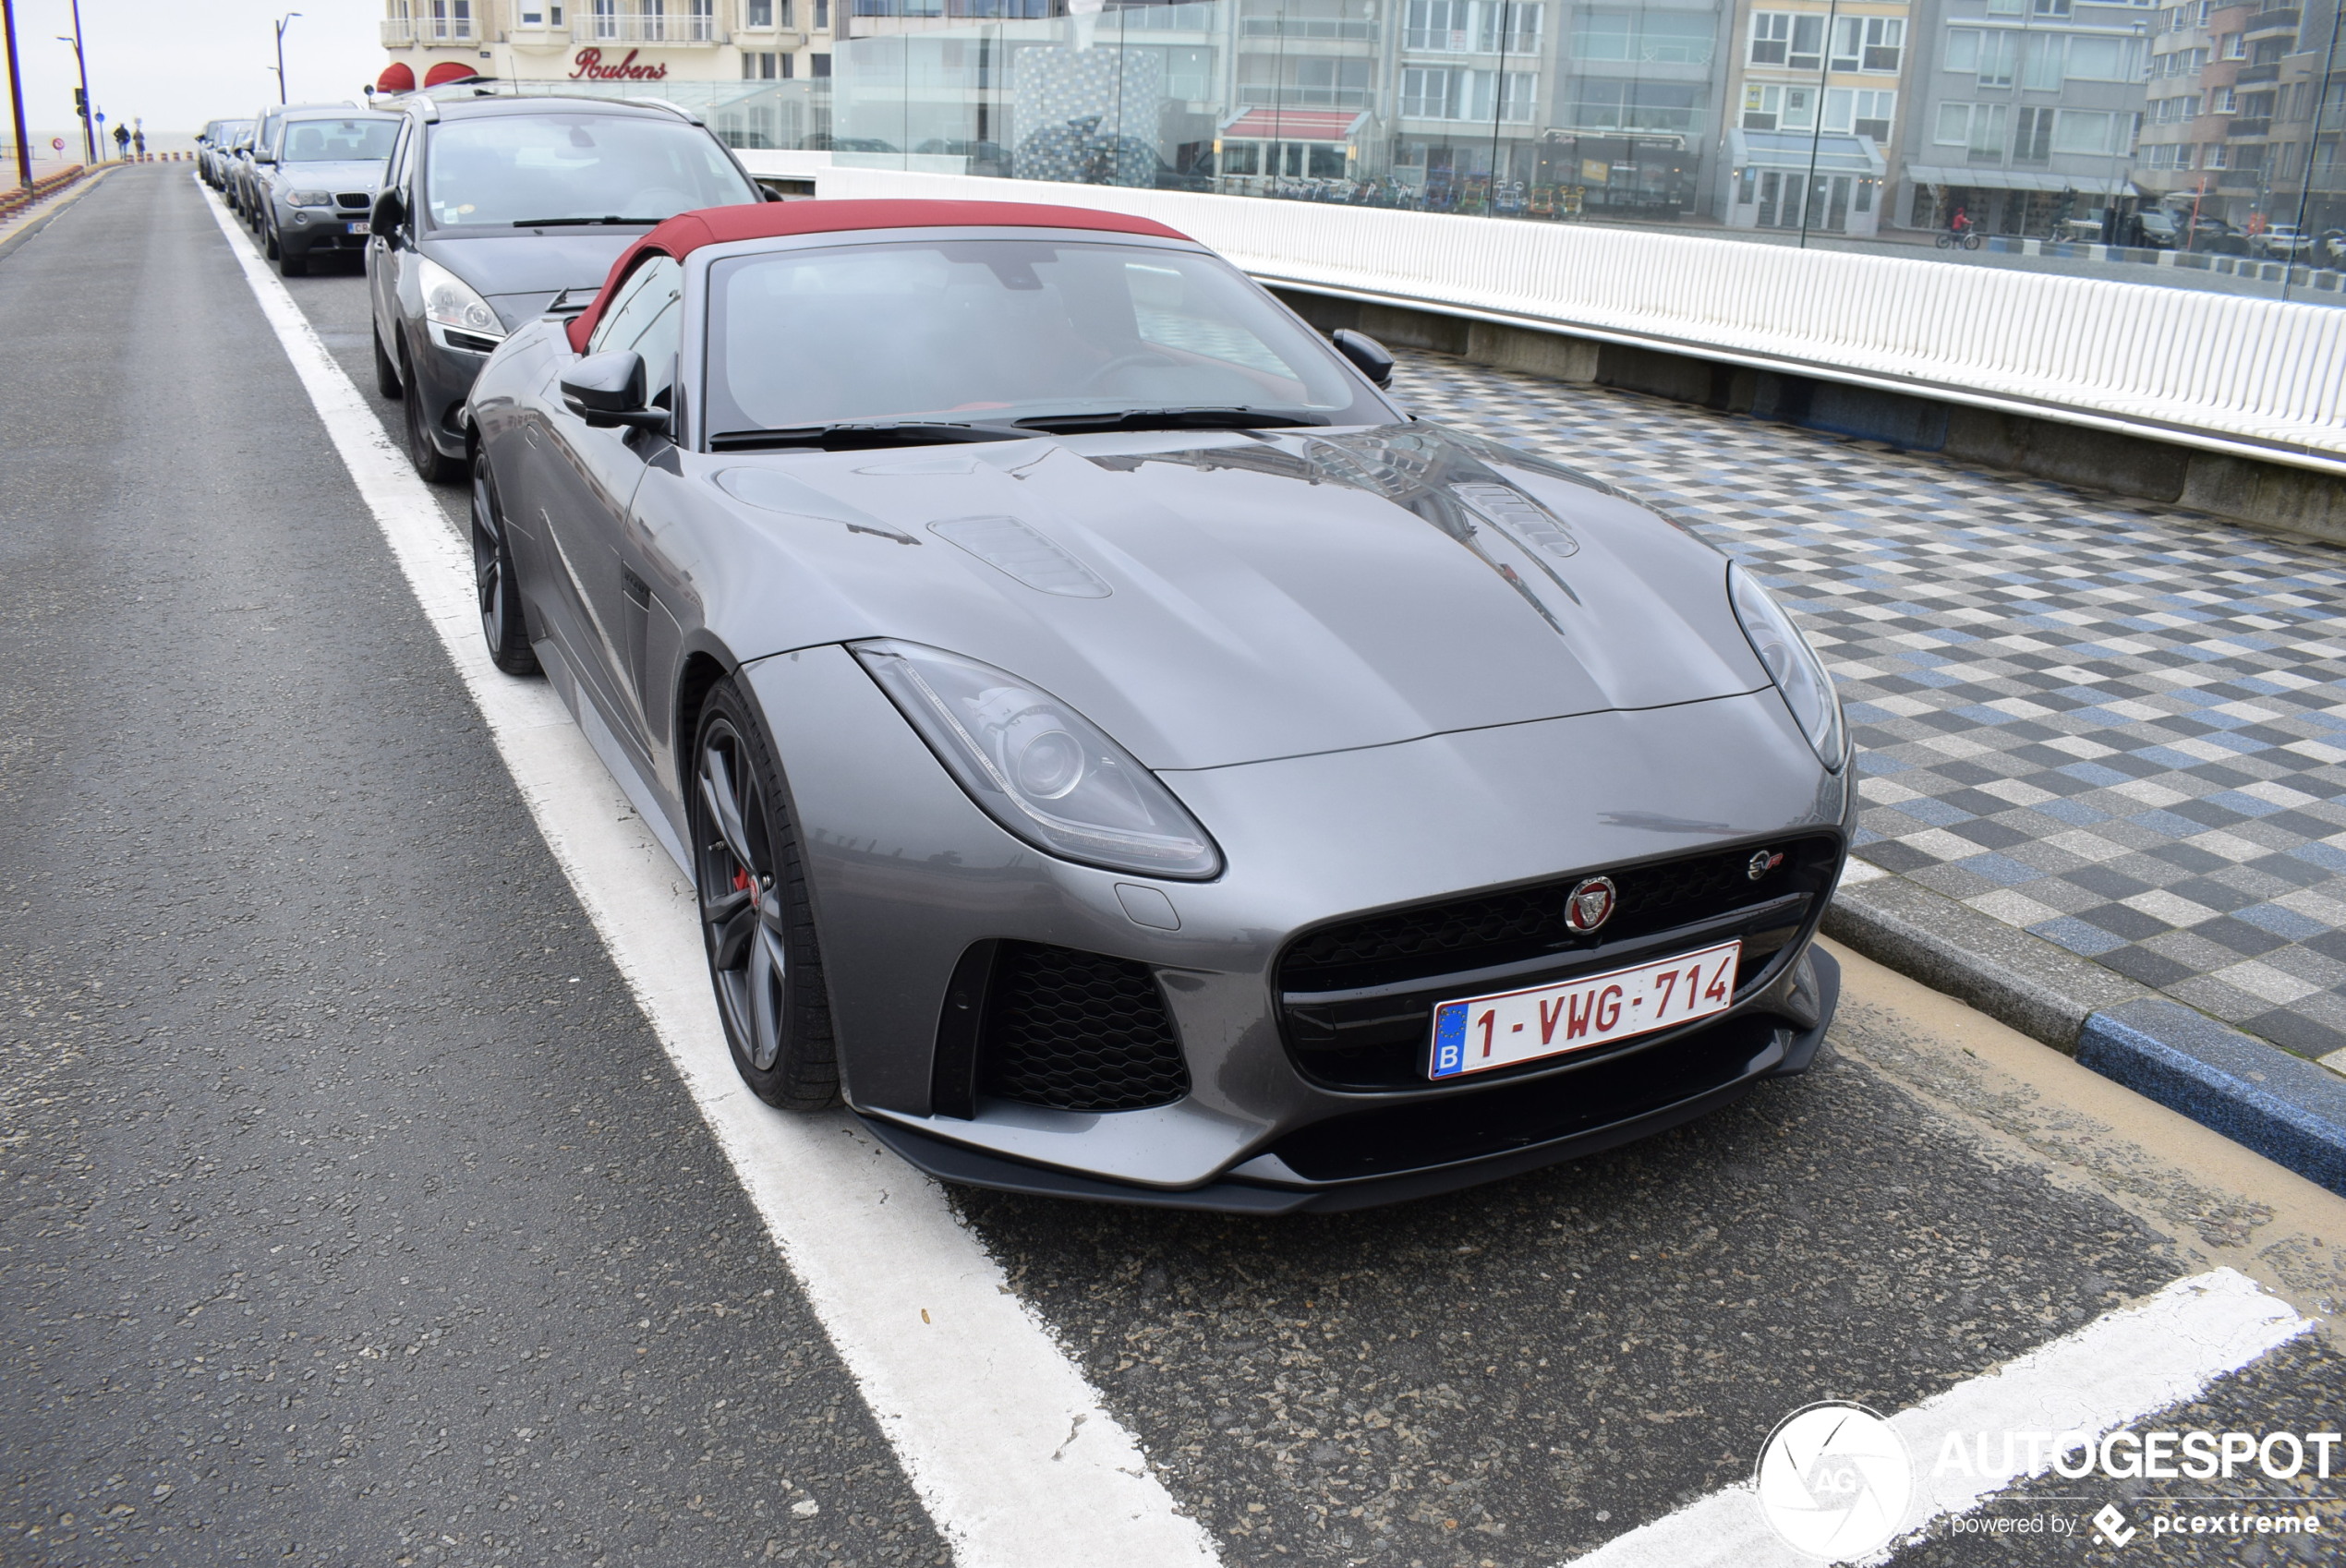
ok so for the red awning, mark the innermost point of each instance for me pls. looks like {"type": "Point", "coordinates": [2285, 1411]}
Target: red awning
{"type": "Point", "coordinates": [1294, 124]}
{"type": "Point", "coordinates": [449, 71]}
{"type": "Point", "coordinates": [398, 76]}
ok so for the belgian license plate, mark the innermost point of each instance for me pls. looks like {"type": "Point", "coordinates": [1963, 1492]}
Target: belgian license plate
{"type": "Point", "coordinates": [358, 228]}
{"type": "Point", "coordinates": [1478, 1034]}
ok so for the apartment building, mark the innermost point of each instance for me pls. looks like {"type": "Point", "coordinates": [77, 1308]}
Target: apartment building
{"type": "Point", "coordinates": [1635, 123]}
{"type": "Point", "coordinates": [2303, 178]}
{"type": "Point", "coordinates": [641, 45]}
{"type": "Point", "coordinates": [2028, 117]}
{"type": "Point", "coordinates": [1817, 95]}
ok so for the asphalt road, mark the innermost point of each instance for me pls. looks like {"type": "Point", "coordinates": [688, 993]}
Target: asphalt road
{"type": "Point", "coordinates": [350, 1212]}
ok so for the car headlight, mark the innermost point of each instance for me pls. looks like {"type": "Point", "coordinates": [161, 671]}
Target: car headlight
{"type": "Point", "coordinates": [311, 199]}
{"type": "Point", "coordinates": [450, 306]}
{"type": "Point", "coordinates": [1792, 664]}
{"type": "Point", "coordinates": [1043, 771]}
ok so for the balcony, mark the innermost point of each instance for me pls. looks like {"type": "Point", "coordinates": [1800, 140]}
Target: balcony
{"type": "Point", "coordinates": [2271, 21]}
{"type": "Point", "coordinates": [427, 32]}
{"type": "Point", "coordinates": [645, 27]}
{"type": "Point", "coordinates": [2238, 128]}
{"type": "Point", "coordinates": [2271, 71]}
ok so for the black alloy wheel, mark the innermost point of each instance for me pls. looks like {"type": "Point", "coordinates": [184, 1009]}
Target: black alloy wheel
{"type": "Point", "coordinates": [502, 625]}
{"type": "Point", "coordinates": [288, 264]}
{"type": "Point", "coordinates": [755, 919]}
{"type": "Point", "coordinates": [434, 466]}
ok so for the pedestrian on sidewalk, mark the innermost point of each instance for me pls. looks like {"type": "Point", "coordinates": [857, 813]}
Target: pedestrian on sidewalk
{"type": "Point", "coordinates": [122, 142]}
{"type": "Point", "coordinates": [138, 141]}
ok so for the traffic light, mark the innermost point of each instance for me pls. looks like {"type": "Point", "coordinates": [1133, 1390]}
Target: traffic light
{"type": "Point", "coordinates": [81, 102]}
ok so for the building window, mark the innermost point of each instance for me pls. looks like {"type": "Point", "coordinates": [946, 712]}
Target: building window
{"type": "Point", "coordinates": [758, 13]}
{"type": "Point", "coordinates": [2217, 158]}
{"type": "Point", "coordinates": [2223, 101]}
{"type": "Point", "coordinates": [2232, 46]}
{"type": "Point", "coordinates": [1782, 38]}
{"type": "Point", "coordinates": [1470, 27]}
{"type": "Point", "coordinates": [1978, 128]}
{"type": "Point", "coordinates": [1779, 108]}
{"type": "Point", "coordinates": [1868, 43]}
{"type": "Point", "coordinates": [1673, 38]}
{"type": "Point", "coordinates": [1444, 92]}
{"type": "Point", "coordinates": [819, 65]}
{"type": "Point", "coordinates": [2101, 59]}
{"type": "Point", "coordinates": [1609, 104]}
{"type": "Point", "coordinates": [765, 65]}
{"type": "Point", "coordinates": [2032, 137]}
{"type": "Point", "coordinates": [2085, 131]}
{"type": "Point", "coordinates": [1860, 112]}
{"type": "Point", "coordinates": [2053, 7]}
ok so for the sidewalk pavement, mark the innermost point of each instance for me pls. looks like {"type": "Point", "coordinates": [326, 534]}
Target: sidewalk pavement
{"type": "Point", "coordinates": [19, 227]}
{"type": "Point", "coordinates": [2102, 742]}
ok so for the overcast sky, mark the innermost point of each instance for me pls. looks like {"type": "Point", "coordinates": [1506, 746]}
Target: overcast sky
{"type": "Point", "coordinates": [178, 63]}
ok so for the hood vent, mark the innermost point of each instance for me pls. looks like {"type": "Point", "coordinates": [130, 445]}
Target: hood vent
{"type": "Point", "coordinates": [1519, 514]}
{"type": "Point", "coordinates": [1011, 547]}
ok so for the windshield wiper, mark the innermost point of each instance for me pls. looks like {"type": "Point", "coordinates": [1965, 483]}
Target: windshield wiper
{"type": "Point", "coordinates": [851, 436]}
{"type": "Point", "coordinates": [576, 223]}
{"type": "Point", "coordinates": [1172, 419]}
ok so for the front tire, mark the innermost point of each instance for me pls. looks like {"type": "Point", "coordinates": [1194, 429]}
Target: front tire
{"type": "Point", "coordinates": [432, 465]}
{"type": "Point", "coordinates": [288, 264]}
{"type": "Point", "coordinates": [502, 625]}
{"type": "Point", "coordinates": [757, 922]}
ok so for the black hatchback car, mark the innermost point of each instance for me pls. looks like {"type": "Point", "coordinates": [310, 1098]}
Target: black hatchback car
{"type": "Point", "coordinates": [493, 208]}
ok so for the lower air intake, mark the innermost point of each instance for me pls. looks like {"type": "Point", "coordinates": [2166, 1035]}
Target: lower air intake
{"type": "Point", "coordinates": [1079, 1031]}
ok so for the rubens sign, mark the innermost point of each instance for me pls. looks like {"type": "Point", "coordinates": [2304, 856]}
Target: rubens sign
{"type": "Point", "coordinates": [587, 66]}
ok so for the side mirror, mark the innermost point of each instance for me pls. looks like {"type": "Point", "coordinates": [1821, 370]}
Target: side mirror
{"type": "Point", "coordinates": [263, 158]}
{"type": "Point", "coordinates": [389, 212]}
{"type": "Point", "coordinates": [1368, 355]}
{"type": "Point", "coordinates": [607, 390]}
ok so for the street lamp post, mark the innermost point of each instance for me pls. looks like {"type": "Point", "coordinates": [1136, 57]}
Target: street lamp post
{"type": "Point", "coordinates": [16, 97]}
{"type": "Point", "coordinates": [81, 69]}
{"type": "Point", "coordinates": [289, 17]}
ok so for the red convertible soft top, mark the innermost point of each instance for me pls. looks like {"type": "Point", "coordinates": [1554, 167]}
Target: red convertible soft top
{"type": "Point", "coordinates": [687, 232]}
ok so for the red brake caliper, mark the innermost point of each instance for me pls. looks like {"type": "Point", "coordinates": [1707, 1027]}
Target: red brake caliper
{"type": "Point", "coordinates": [741, 878]}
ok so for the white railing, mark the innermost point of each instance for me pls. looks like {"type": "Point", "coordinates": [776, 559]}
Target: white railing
{"type": "Point", "coordinates": [401, 32]}
{"type": "Point", "coordinates": [2252, 377]}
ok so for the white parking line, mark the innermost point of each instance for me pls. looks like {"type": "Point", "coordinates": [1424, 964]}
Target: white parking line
{"type": "Point", "coordinates": [1008, 1446]}
{"type": "Point", "coordinates": [2115, 1371]}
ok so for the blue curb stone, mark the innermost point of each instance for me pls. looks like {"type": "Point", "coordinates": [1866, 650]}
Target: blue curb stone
{"type": "Point", "coordinates": [2288, 1109]}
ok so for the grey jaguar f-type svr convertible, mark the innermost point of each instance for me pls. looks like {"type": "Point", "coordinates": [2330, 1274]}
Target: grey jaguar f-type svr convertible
{"type": "Point", "coordinates": [1120, 753]}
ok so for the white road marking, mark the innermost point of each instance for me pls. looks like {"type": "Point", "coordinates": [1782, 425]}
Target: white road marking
{"type": "Point", "coordinates": [1008, 1446]}
{"type": "Point", "coordinates": [2117, 1369]}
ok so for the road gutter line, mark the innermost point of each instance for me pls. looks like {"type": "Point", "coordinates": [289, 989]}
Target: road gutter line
{"type": "Point", "coordinates": [1008, 1446]}
{"type": "Point", "coordinates": [2121, 1367]}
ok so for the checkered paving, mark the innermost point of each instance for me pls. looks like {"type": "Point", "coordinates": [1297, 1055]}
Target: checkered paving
{"type": "Point", "coordinates": [2117, 725]}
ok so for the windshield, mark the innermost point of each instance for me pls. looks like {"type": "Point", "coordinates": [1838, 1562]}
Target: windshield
{"type": "Point", "coordinates": [356, 140]}
{"type": "Point", "coordinates": [506, 169]}
{"type": "Point", "coordinates": [998, 330]}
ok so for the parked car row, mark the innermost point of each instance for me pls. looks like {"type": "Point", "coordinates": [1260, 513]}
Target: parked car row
{"type": "Point", "coordinates": [1119, 751]}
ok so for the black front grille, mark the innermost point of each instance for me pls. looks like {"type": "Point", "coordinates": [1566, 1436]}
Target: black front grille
{"type": "Point", "coordinates": [1078, 1031]}
{"type": "Point", "coordinates": [1356, 997]}
{"type": "Point", "coordinates": [353, 199]}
